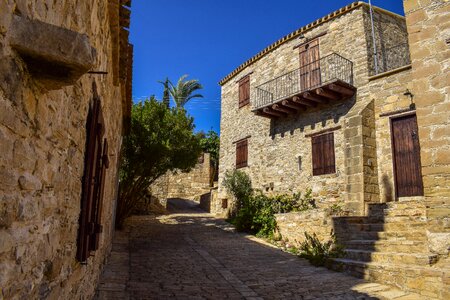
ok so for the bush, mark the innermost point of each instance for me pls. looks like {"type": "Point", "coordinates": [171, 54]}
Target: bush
{"type": "Point", "coordinates": [317, 252]}
{"type": "Point", "coordinates": [238, 184]}
{"type": "Point", "coordinates": [255, 212]}
{"type": "Point", "coordinates": [160, 140]}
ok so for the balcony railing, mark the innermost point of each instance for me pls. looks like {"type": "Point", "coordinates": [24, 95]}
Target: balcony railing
{"type": "Point", "coordinates": [329, 69]}
{"type": "Point", "coordinates": [390, 58]}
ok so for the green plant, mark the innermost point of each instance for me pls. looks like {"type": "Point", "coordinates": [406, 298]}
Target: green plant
{"type": "Point", "coordinates": [238, 184]}
{"type": "Point", "coordinates": [337, 209]}
{"type": "Point", "coordinates": [184, 90]}
{"type": "Point", "coordinates": [210, 143]}
{"type": "Point", "coordinates": [160, 140]}
{"type": "Point", "coordinates": [317, 252]}
{"type": "Point", "coordinates": [255, 212]}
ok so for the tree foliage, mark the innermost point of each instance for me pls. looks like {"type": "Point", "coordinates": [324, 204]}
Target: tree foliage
{"type": "Point", "coordinates": [160, 140]}
{"type": "Point", "coordinates": [185, 90]}
{"type": "Point", "coordinates": [210, 143]}
{"type": "Point", "coordinates": [166, 93]}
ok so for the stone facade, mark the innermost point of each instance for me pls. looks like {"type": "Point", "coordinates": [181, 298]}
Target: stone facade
{"type": "Point", "coordinates": [279, 150]}
{"type": "Point", "coordinates": [383, 233]}
{"type": "Point", "coordinates": [428, 28]}
{"type": "Point", "coordinates": [46, 48]}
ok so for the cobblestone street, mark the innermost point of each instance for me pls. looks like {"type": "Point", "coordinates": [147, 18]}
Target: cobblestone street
{"type": "Point", "coordinates": [189, 254]}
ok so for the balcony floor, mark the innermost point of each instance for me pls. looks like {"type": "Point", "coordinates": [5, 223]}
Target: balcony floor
{"type": "Point", "coordinates": [329, 92]}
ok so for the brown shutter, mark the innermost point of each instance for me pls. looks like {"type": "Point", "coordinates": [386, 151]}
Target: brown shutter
{"type": "Point", "coordinates": [103, 162]}
{"type": "Point", "coordinates": [323, 158]}
{"type": "Point", "coordinates": [91, 180]}
{"type": "Point", "coordinates": [241, 154]}
{"type": "Point", "coordinates": [244, 91]}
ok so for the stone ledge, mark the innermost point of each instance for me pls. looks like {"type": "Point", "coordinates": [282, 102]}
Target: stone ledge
{"type": "Point", "coordinates": [56, 55]}
{"type": "Point", "coordinates": [389, 73]}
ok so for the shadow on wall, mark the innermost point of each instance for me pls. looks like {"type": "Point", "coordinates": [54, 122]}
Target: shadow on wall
{"type": "Point", "coordinates": [312, 117]}
{"type": "Point", "coordinates": [388, 188]}
{"type": "Point", "coordinates": [359, 235]}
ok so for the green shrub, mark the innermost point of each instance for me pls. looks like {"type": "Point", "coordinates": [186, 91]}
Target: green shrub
{"type": "Point", "coordinates": [317, 252]}
{"type": "Point", "coordinates": [255, 212]}
{"type": "Point", "coordinates": [337, 209]}
{"type": "Point", "coordinates": [238, 184]}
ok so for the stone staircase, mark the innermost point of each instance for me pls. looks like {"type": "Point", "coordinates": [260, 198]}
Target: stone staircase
{"type": "Point", "coordinates": [389, 246]}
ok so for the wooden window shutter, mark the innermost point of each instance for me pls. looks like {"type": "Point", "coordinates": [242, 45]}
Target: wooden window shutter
{"type": "Point", "coordinates": [323, 158]}
{"type": "Point", "coordinates": [92, 181]}
{"type": "Point", "coordinates": [241, 154]}
{"type": "Point", "coordinates": [244, 91]}
{"type": "Point", "coordinates": [103, 164]}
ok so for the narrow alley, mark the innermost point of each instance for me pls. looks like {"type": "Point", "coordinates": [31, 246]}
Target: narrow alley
{"type": "Point", "coordinates": [188, 254]}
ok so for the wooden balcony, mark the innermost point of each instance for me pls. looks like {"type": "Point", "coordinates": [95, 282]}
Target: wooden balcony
{"type": "Point", "coordinates": [321, 82]}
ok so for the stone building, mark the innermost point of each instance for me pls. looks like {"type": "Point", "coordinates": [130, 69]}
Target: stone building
{"type": "Point", "coordinates": [352, 113]}
{"type": "Point", "coordinates": [65, 101]}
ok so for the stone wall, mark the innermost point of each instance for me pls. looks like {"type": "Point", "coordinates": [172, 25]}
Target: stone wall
{"type": "Point", "coordinates": [292, 226]}
{"type": "Point", "coordinates": [185, 185]}
{"type": "Point", "coordinates": [43, 140]}
{"type": "Point", "coordinates": [428, 28]}
{"type": "Point", "coordinates": [279, 150]}
{"type": "Point", "coordinates": [193, 184]}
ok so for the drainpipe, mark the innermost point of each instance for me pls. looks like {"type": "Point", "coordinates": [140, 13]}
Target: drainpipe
{"type": "Point", "coordinates": [373, 38]}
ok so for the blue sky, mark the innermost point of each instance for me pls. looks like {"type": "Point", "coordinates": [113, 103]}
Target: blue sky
{"type": "Point", "coordinates": [208, 39]}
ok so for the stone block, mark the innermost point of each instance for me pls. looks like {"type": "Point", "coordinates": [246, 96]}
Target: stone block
{"type": "Point", "coordinates": [51, 52]}
{"type": "Point", "coordinates": [439, 243]}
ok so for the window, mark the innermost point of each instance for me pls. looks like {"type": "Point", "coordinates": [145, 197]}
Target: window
{"type": "Point", "coordinates": [96, 163]}
{"type": "Point", "coordinates": [241, 153]}
{"type": "Point", "coordinates": [323, 154]}
{"type": "Point", "coordinates": [244, 91]}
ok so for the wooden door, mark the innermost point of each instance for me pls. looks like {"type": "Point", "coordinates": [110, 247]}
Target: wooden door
{"type": "Point", "coordinates": [310, 65]}
{"type": "Point", "coordinates": [406, 155]}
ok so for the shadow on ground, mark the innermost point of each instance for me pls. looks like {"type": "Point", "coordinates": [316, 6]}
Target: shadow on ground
{"type": "Point", "coordinates": [191, 255]}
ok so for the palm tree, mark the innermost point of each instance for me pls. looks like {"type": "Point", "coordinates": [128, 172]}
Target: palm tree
{"type": "Point", "coordinates": [184, 90]}
{"type": "Point", "coordinates": [166, 95]}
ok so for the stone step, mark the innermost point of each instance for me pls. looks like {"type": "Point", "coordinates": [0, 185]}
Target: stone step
{"type": "Point", "coordinates": [391, 257]}
{"type": "Point", "coordinates": [430, 282]}
{"type": "Point", "coordinates": [394, 226]}
{"type": "Point", "coordinates": [417, 235]}
{"type": "Point", "coordinates": [388, 245]}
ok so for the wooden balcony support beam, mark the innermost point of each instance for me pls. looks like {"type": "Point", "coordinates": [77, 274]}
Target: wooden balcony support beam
{"type": "Point", "coordinates": [328, 94]}
{"type": "Point", "coordinates": [277, 114]}
{"type": "Point", "coordinates": [341, 90]}
{"type": "Point", "coordinates": [293, 105]}
{"type": "Point", "coordinates": [262, 114]}
{"type": "Point", "coordinates": [305, 102]}
{"type": "Point", "coordinates": [313, 97]}
{"type": "Point", "coordinates": [282, 109]}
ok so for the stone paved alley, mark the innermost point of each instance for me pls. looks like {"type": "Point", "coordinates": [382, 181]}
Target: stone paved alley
{"type": "Point", "coordinates": [189, 254]}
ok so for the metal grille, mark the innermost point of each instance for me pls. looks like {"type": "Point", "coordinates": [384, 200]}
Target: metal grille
{"type": "Point", "coordinates": [327, 69]}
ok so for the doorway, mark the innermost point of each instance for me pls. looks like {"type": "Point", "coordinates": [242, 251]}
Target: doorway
{"type": "Point", "coordinates": [406, 156]}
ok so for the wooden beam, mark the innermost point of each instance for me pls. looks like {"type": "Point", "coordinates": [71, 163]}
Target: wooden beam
{"type": "Point", "coordinates": [262, 114]}
{"type": "Point", "coordinates": [341, 90]}
{"type": "Point", "coordinates": [323, 131]}
{"type": "Point", "coordinates": [125, 2]}
{"type": "Point", "coordinates": [286, 110]}
{"type": "Point", "coordinates": [313, 97]}
{"type": "Point", "coordinates": [277, 114]}
{"type": "Point", "coordinates": [299, 100]}
{"type": "Point", "coordinates": [293, 105]}
{"type": "Point", "coordinates": [327, 94]}
{"type": "Point", "coordinates": [125, 15]}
